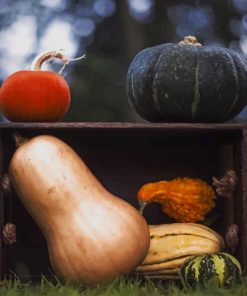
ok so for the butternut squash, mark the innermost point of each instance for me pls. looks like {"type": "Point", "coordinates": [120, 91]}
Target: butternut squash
{"type": "Point", "coordinates": [91, 234]}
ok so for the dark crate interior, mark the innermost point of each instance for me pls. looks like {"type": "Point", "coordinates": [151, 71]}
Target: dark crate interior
{"type": "Point", "coordinates": [124, 156]}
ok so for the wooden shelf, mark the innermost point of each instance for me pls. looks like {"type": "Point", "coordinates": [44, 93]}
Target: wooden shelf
{"type": "Point", "coordinates": [122, 125]}
{"type": "Point", "coordinates": [124, 156]}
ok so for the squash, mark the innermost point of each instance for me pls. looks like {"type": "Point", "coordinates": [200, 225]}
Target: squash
{"type": "Point", "coordinates": [187, 82]}
{"type": "Point", "coordinates": [91, 234]}
{"type": "Point", "coordinates": [36, 95]}
{"type": "Point", "coordinates": [184, 199]}
{"type": "Point", "coordinates": [217, 269]}
{"type": "Point", "coordinates": [172, 244]}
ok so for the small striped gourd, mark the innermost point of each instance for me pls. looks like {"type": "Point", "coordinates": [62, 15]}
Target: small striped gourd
{"type": "Point", "coordinates": [187, 82]}
{"type": "Point", "coordinates": [216, 269]}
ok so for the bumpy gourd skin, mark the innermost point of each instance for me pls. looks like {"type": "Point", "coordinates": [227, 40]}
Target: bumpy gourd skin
{"type": "Point", "coordinates": [187, 83]}
{"type": "Point", "coordinates": [217, 269]}
{"type": "Point", "coordinates": [184, 199]}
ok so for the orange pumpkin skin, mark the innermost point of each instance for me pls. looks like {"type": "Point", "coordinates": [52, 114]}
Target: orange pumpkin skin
{"type": "Point", "coordinates": [34, 96]}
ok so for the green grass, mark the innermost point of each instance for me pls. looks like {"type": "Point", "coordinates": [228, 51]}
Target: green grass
{"type": "Point", "coordinates": [120, 287]}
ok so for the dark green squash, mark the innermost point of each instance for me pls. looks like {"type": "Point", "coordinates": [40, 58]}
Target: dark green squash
{"type": "Point", "coordinates": [218, 269]}
{"type": "Point", "coordinates": [187, 82]}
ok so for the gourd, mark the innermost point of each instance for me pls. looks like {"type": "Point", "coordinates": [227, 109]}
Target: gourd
{"type": "Point", "coordinates": [217, 269]}
{"type": "Point", "coordinates": [187, 82]}
{"type": "Point", "coordinates": [172, 244]}
{"type": "Point", "coordinates": [36, 95]}
{"type": "Point", "coordinates": [184, 199]}
{"type": "Point", "coordinates": [91, 234]}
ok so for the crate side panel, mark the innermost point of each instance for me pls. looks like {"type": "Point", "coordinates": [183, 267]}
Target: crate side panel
{"type": "Point", "coordinates": [240, 205]}
{"type": "Point", "coordinates": [3, 248]}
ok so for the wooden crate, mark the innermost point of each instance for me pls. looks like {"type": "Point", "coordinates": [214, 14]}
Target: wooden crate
{"type": "Point", "coordinates": [124, 156]}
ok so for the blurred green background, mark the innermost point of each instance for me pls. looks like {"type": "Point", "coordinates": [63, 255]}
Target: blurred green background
{"type": "Point", "coordinates": [111, 33]}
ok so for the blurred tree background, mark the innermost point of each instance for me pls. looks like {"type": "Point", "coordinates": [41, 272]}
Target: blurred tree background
{"type": "Point", "coordinates": [111, 33]}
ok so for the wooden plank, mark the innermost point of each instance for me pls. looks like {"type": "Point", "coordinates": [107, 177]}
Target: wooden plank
{"type": "Point", "coordinates": [3, 256]}
{"type": "Point", "coordinates": [241, 205]}
{"type": "Point", "coordinates": [225, 163]}
{"type": "Point", "coordinates": [122, 125]}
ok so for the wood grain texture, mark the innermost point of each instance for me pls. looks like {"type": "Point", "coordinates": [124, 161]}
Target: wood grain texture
{"type": "Point", "coordinates": [241, 205]}
{"type": "Point", "coordinates": [124, 156]}
{"type": "Point", "coordinates": [122, 125]}
{"type": "Point", "coordinates": [2, 247]}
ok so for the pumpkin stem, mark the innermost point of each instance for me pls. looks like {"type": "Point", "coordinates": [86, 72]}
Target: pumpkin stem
{"type": "Point", "coordinates": [190, 40]}
{"type": "Point", "coordinates": [52, 54]}
{"type": "Point", "coordinates": [48, 55]}
{"type": "Point", "coordinates": [18, 139]}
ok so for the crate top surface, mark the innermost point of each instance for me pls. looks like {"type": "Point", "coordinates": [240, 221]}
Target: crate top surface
{"type": "Point", "coordinates": [123, 126]}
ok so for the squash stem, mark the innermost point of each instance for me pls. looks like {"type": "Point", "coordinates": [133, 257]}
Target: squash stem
{"type": "Point", "coordinates": [142, 205]}
{"type": "Point", "coordinates": [48, 55]}
{"type": "Point", "coordinates": [18, 139]}
{"type": "Point", "coordinates": [190, 40]}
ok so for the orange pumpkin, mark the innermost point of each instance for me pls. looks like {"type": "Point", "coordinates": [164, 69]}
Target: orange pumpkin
{"type": "Point", "coordinates": [35, 95]}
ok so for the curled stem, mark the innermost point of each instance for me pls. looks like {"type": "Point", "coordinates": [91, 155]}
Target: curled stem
{"type": "Point", "coordinates": [48, 55]}
{"type": "Point", "coordinates": [51, 55]}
